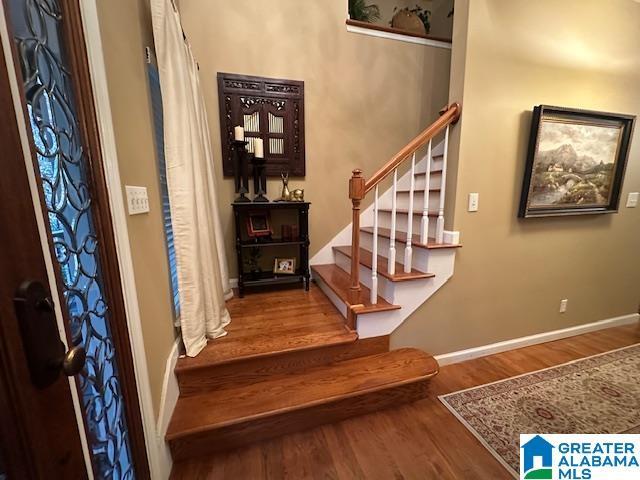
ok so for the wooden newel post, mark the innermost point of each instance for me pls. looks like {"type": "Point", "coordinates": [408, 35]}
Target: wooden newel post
{"type": "Point", "coordinates": [356, 194]}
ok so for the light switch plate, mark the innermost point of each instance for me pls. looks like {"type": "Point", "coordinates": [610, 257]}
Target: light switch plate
{"type": "Point", "coordinates": [563, 305]}
{"type": "Point", "coordinates": [473, 202]}
{"type": "Point", "coordinates": [137, 200]}
{"type": "Point", "coordinates": [632, 199]}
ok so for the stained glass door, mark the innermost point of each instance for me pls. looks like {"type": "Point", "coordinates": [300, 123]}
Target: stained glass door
{"type": "Point", "coordinates": [39, 429]}
{"type": "Point", "coordinates": [55, 103]}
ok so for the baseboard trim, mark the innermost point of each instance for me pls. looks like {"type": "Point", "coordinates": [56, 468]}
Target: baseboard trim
{"type": "Point", "coordinates": [168, 400]}
{"type": "Point", "coordinates": [471, 353]}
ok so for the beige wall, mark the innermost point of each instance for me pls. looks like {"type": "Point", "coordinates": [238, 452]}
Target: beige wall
{"type": "Point", "coordinates": [126, 29]}
{"type": "Point", "coordinates": [511, 274]}
{"type": "Point", "coordinates": [365, 97]}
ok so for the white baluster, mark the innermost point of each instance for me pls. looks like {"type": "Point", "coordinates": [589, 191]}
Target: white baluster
{"type": "Point", "coordinates": [424, 225]}
{"type": "Point", "coordinates": [374, 254]}
{"type": "Point", "coordinates": [391, 262]}
{"type": "Point", "coordinates": [440, 223]}
{"type": "Point", "coordinates": [408, 253]}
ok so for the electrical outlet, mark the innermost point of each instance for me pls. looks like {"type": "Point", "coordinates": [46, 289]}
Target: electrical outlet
{"type": "Point", "coordinates": [473, 202]}
{"type": "Point", "coordinates": [632, 199]}
{"type": "Point", "coordinates": [137, 200]}
{"type": "Point", "coordinates": [563, 305]}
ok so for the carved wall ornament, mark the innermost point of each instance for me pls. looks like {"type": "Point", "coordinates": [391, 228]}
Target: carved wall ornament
{"type": "Point", "coordinates": [242, 85]}
{"type": "Point", "coordinates": [272, 87]}
{"type": "Point", "coordinates": [267, 108]}
{"type": "Point", "coordinates": [249, 102]}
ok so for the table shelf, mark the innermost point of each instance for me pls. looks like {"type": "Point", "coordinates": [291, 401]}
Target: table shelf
{"type": "Point", "coordinates": [271, 243]}
{"type": "Point", "coordinates": [243, 245]}
{"type": "Point", "coordinates": [268, 278]}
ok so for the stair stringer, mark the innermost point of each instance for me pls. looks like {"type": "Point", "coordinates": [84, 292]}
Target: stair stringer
{"type": "Point", "coordinates": [409, 294]}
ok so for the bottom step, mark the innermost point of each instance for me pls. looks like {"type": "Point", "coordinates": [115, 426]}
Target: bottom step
{"type": "Point", "coordinates": [225, 419]}
{"type": "Point", "coordinates": [339, 282]}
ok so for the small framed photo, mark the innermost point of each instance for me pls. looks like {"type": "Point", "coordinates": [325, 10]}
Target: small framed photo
{"type": "Point", "coordinates": [286, 266]}
{"type": "Point", "coordinates": [258, 225]}
{"type": "Point", "coordinates": [576, 162]}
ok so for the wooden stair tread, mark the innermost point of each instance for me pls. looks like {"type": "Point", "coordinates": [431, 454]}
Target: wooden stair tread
{"type": "Point", "coordinates": [322, 317]}
{"type": "Point", "coordinates": [271, 324]}
{"type": "Point", "coordinates": [405, 211]}
{"type": "Point", "coordinates": [437, 170]}
{"type": "Point", "coordinates": [235, 349]}
{"type": "Point", "coordinates": [339, 282]}
{"type": "Point", "coordinates": [415, 239]}
{"type": "Point", "coordinates": [366, 258]}
{"type": "Point", "coordinates": [418, 190]}
{"type": "Point", "coordinates": [318, 385]}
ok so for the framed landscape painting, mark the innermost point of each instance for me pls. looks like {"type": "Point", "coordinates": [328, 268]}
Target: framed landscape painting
{"type": "Point", "coordinates": [575, 162]}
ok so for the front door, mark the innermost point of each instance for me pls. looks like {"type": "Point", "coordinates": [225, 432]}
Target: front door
{"type": "Point", "coordinates": [68, 399]}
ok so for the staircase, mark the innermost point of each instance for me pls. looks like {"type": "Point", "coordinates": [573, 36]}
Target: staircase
{"type": "Point", "coordinates": [288, 363]}
{"type": "Point", "coordinates": [294, 359]}
{"type": "Point", "coordinates": [395, 254]}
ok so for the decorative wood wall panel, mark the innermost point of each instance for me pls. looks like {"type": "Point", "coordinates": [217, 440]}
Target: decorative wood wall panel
{"type": "Point", "coordinates": [267, 108]}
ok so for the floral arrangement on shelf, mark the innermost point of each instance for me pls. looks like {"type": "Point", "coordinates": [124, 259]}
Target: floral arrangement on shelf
{"type": "Point", "coordinates": [403, 17]}
{"type": "Point", "coordinates": [253, 262]}
{"type": "Point", "coordinates": [359, 10]}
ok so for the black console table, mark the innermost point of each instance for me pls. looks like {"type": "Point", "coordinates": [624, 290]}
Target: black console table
{"type": "Point", "coordinates": [272, 246]}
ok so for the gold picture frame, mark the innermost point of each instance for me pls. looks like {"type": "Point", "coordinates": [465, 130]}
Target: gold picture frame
{"type": "Point", "coordinates": [284, 266]}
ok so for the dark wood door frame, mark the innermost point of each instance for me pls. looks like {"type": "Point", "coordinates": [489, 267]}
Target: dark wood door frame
{"type": "Point", "coordinates": [75, 49]}
{"type": "Point", "coordinates": [74, 33]}
{"type": "Point", "coordinates": [36, 440]}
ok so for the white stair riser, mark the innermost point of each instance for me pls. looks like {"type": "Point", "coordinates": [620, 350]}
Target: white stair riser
{"type": "Point", "coordinates": [401, 222]}
{"type": "Point", "coordinates": [420, 259]}
{"type": "Point", "coordinates": [436, 164]}
{"type": "Point", "coordinates": [420, 181]}
{"type": "Point", "coordinates": [435, 179]}
{"type": "Point", "coordinates": [402, 201]}
{"type": "Point", "coordinates": [386, 288]}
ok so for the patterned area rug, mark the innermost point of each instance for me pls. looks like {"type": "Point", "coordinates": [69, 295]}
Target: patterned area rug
{"type": "Point", "coordinates": [599, 394]}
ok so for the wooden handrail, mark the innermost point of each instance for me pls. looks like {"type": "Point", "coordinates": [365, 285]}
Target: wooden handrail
{"type": "Point", "coordinates": [448, 115]}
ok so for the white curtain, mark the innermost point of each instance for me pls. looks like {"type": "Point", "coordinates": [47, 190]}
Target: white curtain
{"type": "Point", "coordinates": [203, 278]}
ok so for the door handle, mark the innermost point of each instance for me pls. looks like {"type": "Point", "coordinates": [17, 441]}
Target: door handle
{"type": "Point", "coordinates": [44, 350]}
{"type": "Point", "coordinates": [73, 361]}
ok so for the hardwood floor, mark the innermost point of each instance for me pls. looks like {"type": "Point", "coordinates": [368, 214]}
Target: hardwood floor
{"type": "Point", "coordinates": [417, 441]}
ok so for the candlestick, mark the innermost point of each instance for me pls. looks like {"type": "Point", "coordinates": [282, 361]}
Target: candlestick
{"type": "Point", "coordinates": [240, 169]}
{"type": "Point", "coordinates": [259, 179]}
{"type": "Point", "coordinates": [238, 133]}
{"type": "Point", "coordinates": [258, 148]}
